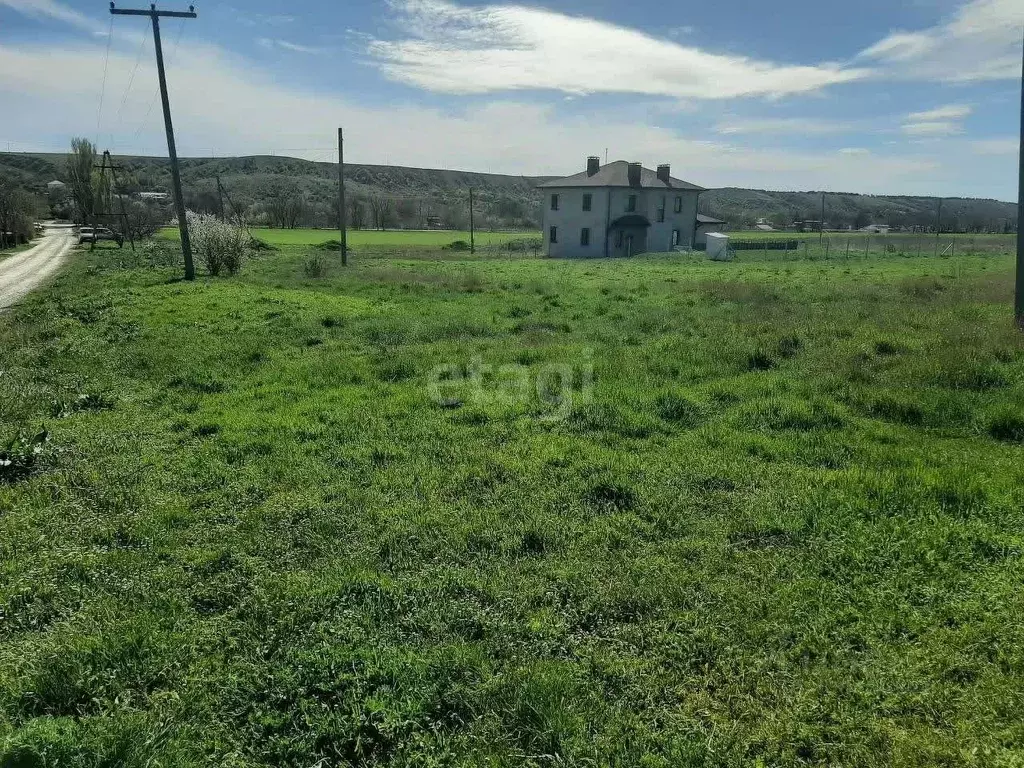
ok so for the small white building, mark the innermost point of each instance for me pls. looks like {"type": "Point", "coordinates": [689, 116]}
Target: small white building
{"type": "Point", "coordinates": [619, 209]}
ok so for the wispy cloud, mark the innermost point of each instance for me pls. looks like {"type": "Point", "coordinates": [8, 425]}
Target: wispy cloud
{"type": "Point", "coordinates": [269, 42]}
{"type": "Point", "coordinates": [981, 41]}
{"type": "Point", "coordinates": [471, 49]}
{"type": "Point", "coordinates": [932, 129]}
{"type": "Point", "coordinates": [50, 9]}
{"type": "Point", "coordinates": [947, 112]}
{"type": "Point", "coordinates": [854, 151]}
{"type": "Point", "coordinates": [1009, 145]}
{"type": "Point", "coordinates": [780, 125]}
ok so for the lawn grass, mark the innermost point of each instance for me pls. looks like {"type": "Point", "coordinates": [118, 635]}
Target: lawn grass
{"type": "Point", "coordinates": [756, 514]}
{"type": "Point", "coordinates": [400, 238]}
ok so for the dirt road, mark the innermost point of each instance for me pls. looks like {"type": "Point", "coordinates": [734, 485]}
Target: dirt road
{"type": "Point", "coordinates": [23, 272]}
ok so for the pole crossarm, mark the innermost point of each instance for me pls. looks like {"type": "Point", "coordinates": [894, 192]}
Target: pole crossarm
{"type": "Point", "coordinates": [189, 14]}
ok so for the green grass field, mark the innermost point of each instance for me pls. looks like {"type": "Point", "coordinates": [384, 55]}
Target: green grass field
{"type": "Point", "coordinates": [371, 237]}
{"type": "Point", "coordinates": [657, 512]}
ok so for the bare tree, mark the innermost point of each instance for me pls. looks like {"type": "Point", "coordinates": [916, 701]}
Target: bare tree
{"type": "Point", "coordinates": [286, 207]}
{"type": "Point", "coordinates": [383, 209]}
{"type": "Point", "coordinates": [356, 212]}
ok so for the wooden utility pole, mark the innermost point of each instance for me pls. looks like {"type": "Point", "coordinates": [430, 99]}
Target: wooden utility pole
{"type": "Point", "coordinates": [1018, 304]}
{"type": "Point", "coordinates": [472, 241]}
{"type": "Point", "coordinates": [938, 226]}
{"type": "Point", "coordinates": [120, 201]}
{"type": "Point", "coordinates": [154, 15]}
{"type": "Point", "coordinates": [821, 223]}
{"type": "Point", "coordinates": [341, 199]}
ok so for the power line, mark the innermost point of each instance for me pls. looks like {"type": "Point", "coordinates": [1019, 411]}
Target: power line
{"type": "Point", "coordinates": [131, 79]}
{"type": "Point", "coordinates": [152, 101]}
{"type": "Point", "coordinates": [103, 84]}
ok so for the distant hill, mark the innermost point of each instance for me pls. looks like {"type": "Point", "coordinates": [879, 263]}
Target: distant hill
{"type": "Point", "coordinates": [253, 183]}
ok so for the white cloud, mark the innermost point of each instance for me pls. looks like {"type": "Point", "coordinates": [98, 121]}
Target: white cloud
{"type": "Point", "coordinates": [268, 42]}
{"type": "Point", "coordinates": [943, 128]}
{"type": "Point", "coordinates": [465, 50]}
{"type": "Point", "coordinates": [50, 9]}
{"type": "Point", "coordinates": [981, 41]}
{"type": "Point", "coordinates": [854, 151]}
{"type": "Point", "coordinates": [780, 125]}
{"type": "Point", "coordinates": [947, 112]}
{"type": "Point", "coordinates": [225, 106]}
{"type": "Point", "coordinates": [1001, 146]}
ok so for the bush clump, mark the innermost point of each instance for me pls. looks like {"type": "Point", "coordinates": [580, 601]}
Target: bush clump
{"type": "Point", "coordinates": [456, 245]}
{"type": "Point", "coordinates": [315, 267]}
{"type": "Point", "coordinates": [222, 246]}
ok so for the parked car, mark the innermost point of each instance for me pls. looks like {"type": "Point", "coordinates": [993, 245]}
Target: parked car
{"type": "Point", "coordinates": [95, 234]}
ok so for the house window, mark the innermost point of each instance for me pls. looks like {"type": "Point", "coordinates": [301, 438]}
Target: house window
{"type": "Point", "coordinates": [618, 239]}
{"type": "Point", "coordinates": [675, 237]}
{"type": "Point", "coordinates": [587, 200]}
{"type": "Point", "coordinates": [661, 209]}
{"type": "Point", "coordinates": [631, 203]}
{"type": "Point", "coordinates": [553, 234]}
{"type": "Point", "coordinates": [554, 203]}
{"type": "Point", "coordinates": [679, 205]}
{"type": "Point", "coordinates": [585, 236]}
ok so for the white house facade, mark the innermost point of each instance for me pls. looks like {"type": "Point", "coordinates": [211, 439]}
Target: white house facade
{"type": "Point", "coordinates": [618, 209]}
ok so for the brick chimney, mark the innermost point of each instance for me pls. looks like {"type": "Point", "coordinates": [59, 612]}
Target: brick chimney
{"type": "Point", "coordinates": [664, 173]}
{"type": "Point", "coordinates": [593, 165]}
{"type": "Point", "coordinates": [633, 174]}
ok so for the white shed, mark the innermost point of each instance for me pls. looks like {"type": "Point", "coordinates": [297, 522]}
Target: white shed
{"type": "Point", "coordinates": [718, 246]}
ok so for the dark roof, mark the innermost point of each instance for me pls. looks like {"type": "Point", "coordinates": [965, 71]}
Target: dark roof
{"type": "Point", "coordinates": [702, 219]}
{"type": "Point", "coordinates": [630, 220]}
{"type": "Point", "coordinates": [616, 174]}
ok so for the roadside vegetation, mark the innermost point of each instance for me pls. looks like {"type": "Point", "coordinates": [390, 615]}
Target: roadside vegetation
{"type": "Point", "coordinates": [768, 513]}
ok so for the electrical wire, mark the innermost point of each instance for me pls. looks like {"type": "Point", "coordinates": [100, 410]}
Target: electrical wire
{"type": "Point", "coordinates": [131, 79]}
{"type": "Point", "coordinates": [152, 101]}
{"type": "Point", "coordinates": [103, 84]}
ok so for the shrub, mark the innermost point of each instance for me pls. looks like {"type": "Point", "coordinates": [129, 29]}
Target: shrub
{"type": "Point", "coordinates": [220, 245]}
{"type": "Point", "coordinates": [457, 245]}
{"type": "Point", "coordinates": [315, 267]}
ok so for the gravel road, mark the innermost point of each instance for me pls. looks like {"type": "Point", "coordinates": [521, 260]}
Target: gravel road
{"type": "Point", "coordinates": [25, 271]}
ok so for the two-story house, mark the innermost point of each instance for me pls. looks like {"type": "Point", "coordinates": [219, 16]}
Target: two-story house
{"type": "Point", "coordinates": [618, 209]}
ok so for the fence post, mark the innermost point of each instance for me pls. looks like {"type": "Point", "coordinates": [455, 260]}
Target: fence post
{"type": "Point", "coordinates": [867, 246]}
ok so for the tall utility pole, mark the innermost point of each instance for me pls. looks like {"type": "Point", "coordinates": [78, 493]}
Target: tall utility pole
{"type": "Point", "coordinates": [1018, 305]}
{"type": "Point", "coordinates": [154, 15]}
{"type": "Point", "coordinates": [341, 199]}
{"type": "Point", "coordinates": [821, 222]}
{"type": "Point", "coordinates": [472, 242]}
{"type": "Point", "coordinates": [938, 226]}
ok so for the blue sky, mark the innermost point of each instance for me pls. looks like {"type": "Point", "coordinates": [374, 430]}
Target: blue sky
{"type": "Point", "coordinates": [920, 97]}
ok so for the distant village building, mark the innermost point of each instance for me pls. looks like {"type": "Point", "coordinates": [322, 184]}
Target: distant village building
{"type": "Point", "coordinates": [55, 186]}
{"type": "Point", "coordinates": [877, 229]}
{"type": "Point", "coordinates": [619, 209]}
{"type": "Point", "coordinates": [154, 196]}
{"type": "Point", "coordinates": [434, 222]}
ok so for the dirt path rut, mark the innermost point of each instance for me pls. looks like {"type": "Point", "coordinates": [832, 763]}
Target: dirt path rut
{"type": "Point", "coordinates": [22, 273]}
